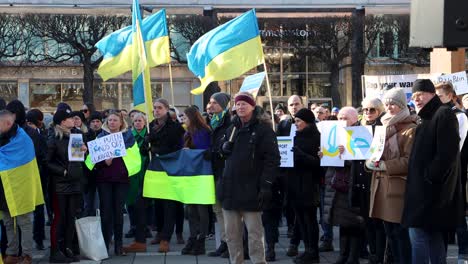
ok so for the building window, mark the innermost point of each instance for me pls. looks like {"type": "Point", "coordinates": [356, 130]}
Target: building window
{"type": "Point", "coordinates": [9, 91]}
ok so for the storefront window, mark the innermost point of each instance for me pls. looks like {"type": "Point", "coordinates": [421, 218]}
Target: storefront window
{"type": "Point", "coordinates": [45, 96]}
{"type": "Point", "coordinates": [8, 91]}
{"type": "Point", "coordinates": [106, 96]}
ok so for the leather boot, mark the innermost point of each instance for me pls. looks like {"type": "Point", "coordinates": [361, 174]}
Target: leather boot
{"type": "Point", "coordinates": [308, 257]}
{"type": "Point", "coordinates": [199, 247]}
{"type": "Point", "coordinates": [58, 257]}
{"type": "Point", "coordinates": [354, 250]}
{"type": "Point", "coordinates": [270, 254]}
{"type": "Point", "coordinates": [11, 259]}
{"type": "Point", "coordinates": [188, 247]}
{"type": "Point", "coordinates": [219, 251]}
{"type": "Point", "coordinates": [344, 249]}
{"type": "Point", "coordinates": [26, 260]}
{"type": "Point", "coordinates": [135, 247]}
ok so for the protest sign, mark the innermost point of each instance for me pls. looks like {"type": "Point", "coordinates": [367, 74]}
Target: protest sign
{"type": "Point", "coordinates": [458, 80]}
{"type": "Point", "coordinates": [74, 148]}
{"type": "Point", "coordinates": [332, 136]}
{"type": "Point", "coordinates": [358, 143]}
{"type": "Point", "coordinates": [285, 145]}
{"type": "Point", "coordinates": [111, 146]}
{"type": "Point", "coordinates": [378, 143]}
{"type": "Point", "coordinates": [252, 83]}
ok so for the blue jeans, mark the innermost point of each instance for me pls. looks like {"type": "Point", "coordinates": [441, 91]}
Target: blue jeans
{"type": "Point", "coordinates": [326, 228]}
{"type": "Point", "coordinates": [426, 245]}
{"type": "Point", "coordinates": [462, 238]}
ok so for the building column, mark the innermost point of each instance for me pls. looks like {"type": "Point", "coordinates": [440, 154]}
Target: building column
{"type": "Point", "coordinates": [444, 61]}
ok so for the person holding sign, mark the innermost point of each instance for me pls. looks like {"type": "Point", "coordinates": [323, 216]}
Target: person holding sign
{"type": "Point", "coordinates": [303, 183]}
{"type": "Point", "coordinates": [66, 177]}
{"type": "Point", "coordinates": [390, 172]}
{"type": "Point", "coordinates": [112, 180]}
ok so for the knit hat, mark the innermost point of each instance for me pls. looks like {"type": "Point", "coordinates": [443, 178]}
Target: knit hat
{"type": "Point", "coordinates": [95, 115]}
{"type": "Point", "coordinates": [78, 114]}
{"type": "Point", "coordinates": [423, 85]}
{"type": "Point", "coordinates": [281, 107]}
{"type": "Point", "coordinates": [246, 97]}
{"type": "Point", "coordinates": [61, 115]}
{"type": "Point", "coordinates": [222, 99]}
{"type": "Point", "coordinates": [34, 116]}
{"type": "Point", "coordinates": [63, 106]}
{"type": "Point", "coordinates": [17, 108]}
{"type": "Point", "coordinates": [395, 96]}
{"type": "Point", "coordinates": [305, 115]}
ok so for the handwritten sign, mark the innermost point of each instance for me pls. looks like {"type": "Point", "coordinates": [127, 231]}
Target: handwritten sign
{"type": "Point", "coordinates": [285, 144]}
{"type": "Point", "coordinates": [331, 136]}
{"type": "Point", "coordinates": [458, 80]}
{"type": "Point", "coordinates": [111, 146]}
{"type": "Point", "coordinates": [378, 143]}
{"type": "Point", "coordinates": [74, 148]}
{"type": "Point", "coordinates": [358, 143]}
{"type": "Point", "coordinates": [253, 83]}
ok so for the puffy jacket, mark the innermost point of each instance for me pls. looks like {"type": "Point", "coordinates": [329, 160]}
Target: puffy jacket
{"type": "Point", "coordinates": [167, 139]}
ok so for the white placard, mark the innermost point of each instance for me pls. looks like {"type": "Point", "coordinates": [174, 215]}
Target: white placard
{"type": "Point", "coordinates": [358, 143]}
{"type": "Point", "coordinates": [332, 135]}
{"type": "Point", "coordinates": [458, 80]}
{"type": "Point", "coordinates": [378, 143]}
{"type": "Point", "coordinates": [285, 145]}
{"type": "Point", "coordinates": [74, 148]}
{"type": "Point", "coordinates": [110, 146]}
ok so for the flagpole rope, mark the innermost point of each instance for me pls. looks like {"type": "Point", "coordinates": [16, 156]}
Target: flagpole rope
{"type": "Point", "coordinates": [269, 94]}
{"type": "Point", "coordinates": [172, 86]}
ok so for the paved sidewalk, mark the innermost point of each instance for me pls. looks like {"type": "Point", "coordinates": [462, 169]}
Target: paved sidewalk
{"type": "Point", "coordinates": [174, 257]}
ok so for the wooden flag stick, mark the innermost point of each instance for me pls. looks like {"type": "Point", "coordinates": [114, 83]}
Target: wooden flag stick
{"type": "Point", "coordinates": [269, 94]}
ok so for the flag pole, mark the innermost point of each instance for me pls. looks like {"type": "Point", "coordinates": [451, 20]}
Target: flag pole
{"type": "Point", "coordinates": [269, 94]}
{"type": "Point", "coordinates": [172, 86]}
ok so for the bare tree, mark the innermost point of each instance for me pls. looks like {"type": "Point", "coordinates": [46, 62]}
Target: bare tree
{"type": "Point", "coordinates": [14, 40]}
{"type": "Point", "coordinates": [64, 38]}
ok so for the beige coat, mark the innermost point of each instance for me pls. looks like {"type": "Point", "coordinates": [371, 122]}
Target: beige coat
{"type": "Point", "coordinates": [388, 187]}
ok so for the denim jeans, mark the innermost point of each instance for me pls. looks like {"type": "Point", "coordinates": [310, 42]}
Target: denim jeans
{"type": "Point", "coordinates": [399, 242]}
{"type": "Point", "coordinates": [462, 238]}
{"type": "Point", "coordinates": [427, 245]}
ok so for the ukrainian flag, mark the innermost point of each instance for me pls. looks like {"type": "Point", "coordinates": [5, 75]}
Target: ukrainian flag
{"type": "Point", "coordinates": [20, 175]}
{"type": "Point", "coordinates": [182, 176]}
{"type": "Point", "coordinates": [117, 46]}
{"type": "Point", "coordinates": [227, 51]}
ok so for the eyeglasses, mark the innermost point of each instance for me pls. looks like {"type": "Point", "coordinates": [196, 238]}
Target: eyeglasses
{"type": "Point", "coordinates": [84, 111]}
{"type": "Point", "coordinates": [370, 110]}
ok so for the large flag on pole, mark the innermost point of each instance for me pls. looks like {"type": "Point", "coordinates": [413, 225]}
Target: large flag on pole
{"type": "Point", "coordinates": [117, 46]}
{"type": "Point", "coordinates": [227, 51]}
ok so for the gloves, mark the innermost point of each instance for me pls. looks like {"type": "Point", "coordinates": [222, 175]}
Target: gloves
{"type": "Point", "coordinates": [227, 148]}
{"type": "Point", "coordinates": [264, 197]}
{"type": "Point", "coordinates": [376, 165]}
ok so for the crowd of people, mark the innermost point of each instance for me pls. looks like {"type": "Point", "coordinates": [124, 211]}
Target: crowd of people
{"type": "Point", "coordinates": [402, 208]}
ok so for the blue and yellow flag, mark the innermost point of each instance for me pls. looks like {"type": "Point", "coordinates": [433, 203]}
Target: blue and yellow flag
{"type": "Point", "coordinates": [20, 175]}
{"type": "Point", "coordinates": [182, 176]}
{"type": "Point", "coordinates": [116, 47]}
{"type": "Point", "coordinates": [227, 51]}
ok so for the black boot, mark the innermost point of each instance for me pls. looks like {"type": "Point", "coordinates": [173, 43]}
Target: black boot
{"type": "Point", "coordinates": [292, 250]}
{"type": "Point", "coordinates": [199, 246]}
{"type": "Point", "coordinates": [354, 250]}
{"type": "Point", "coordinates": [69, 254]}
{"type": "Point", "coordinates": [308, 257]}
{"type": "Point", "coordinates": [219, 251]}
{"type": "Point", "coordinates": [270, 254]}
{"type": "Point", "coordinates": [188, 247]}
{"type": "Point", "coordinates": [131, 232]}
{"type": "Point", "coordinates": [344, 249]}
{"type": "Point", "coordinates": [57, 256]}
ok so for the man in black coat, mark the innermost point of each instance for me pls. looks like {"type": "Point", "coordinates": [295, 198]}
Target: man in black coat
{"type": "Point", "coordinates": [433, 200]}
{"type": "Point", "coordinates": [252, 159]}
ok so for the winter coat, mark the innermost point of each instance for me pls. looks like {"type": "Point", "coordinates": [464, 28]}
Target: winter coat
{"type": "Point", "coordinates": [58, 163]}
{"type": "Point", "coordinates": [303, 180]}
{"type": "Point", "coordinates": [433, 191]}
{"type": "Point", "coordinates": [388, 187]}
{"type": "Point", "coordinates": [217, 139]}
{"type": "Point", "coordinates": [252, 164]}
{"type": "Point", "coordinates": [201, 139]}
{"type": "Point", "coordinates": [284, 127]}
{"type": "Point", "coordinates": [167, 139]}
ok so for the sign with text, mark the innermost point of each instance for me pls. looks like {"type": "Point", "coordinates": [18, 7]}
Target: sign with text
{"type": "Point", "coordinates": [252, 83]}
{"type": "Point", "coordinates": [285, 145]}
{"type": "Point", "coordinates": [110, 146]}
{"type": "Point", "coordinates": [358, 143]}
{"type": "Point", "coordinates": [331, 137]}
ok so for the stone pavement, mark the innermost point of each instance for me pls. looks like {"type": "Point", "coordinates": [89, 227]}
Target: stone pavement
{"type": "Point", "coordinates": [174, 257]}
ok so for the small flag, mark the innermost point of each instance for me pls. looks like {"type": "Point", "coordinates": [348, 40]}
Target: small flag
{"type": "Point", "coordinates": [227, 51]}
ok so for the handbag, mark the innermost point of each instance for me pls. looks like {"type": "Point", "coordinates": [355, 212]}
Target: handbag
{"type": "Point", "coordinates": [340, 181]}
{"type": "Point", "coordinates": [90, 238]}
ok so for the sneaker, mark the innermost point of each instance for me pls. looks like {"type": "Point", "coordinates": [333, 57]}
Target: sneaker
{"type": "Point", "coordinates": [292, 250]}
{"type": "Point", "coordinates": [326, 246]}
{"type": "Point", "coordinates": [135, 247]}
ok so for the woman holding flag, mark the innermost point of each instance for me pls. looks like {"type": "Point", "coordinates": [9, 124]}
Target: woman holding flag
{"type": "Point", "coordinates": [198, 136]}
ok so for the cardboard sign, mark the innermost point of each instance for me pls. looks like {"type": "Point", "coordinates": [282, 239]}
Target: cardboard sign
{"type": "Point", "coordinates": [358, 143]}
{"type": "Point", "coordinates": [110, 146]}
{"type": "Point", "coordinates": [74, 148]}
{"type": "Point", "coordinates": [331, 136]}
{"type": "Point", "coordinates": [285, 145]}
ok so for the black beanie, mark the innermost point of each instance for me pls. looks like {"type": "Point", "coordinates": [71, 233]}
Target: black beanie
{"type": "Point", "coordinates": [63, 106]}
{"type": "Point", "coordinates": [34, 116]}
{"type": "Point", "coordinates": [78, 114]}
{"type": "Point", "coordinates": [61, 115]}
{"type": "Point", "coordinates": [306, 115]}
{"type": "Point", "coordinates": [280, 106]}
{"type": "Point", "coordinates": [95, 115]}
{"type": "Point", "coordinates": [423, 85]}
{"type": "Point", "coordinates": [17, 108]}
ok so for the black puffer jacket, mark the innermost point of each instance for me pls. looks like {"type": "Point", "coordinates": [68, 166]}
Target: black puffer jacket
{"type": "Point", "coordinates": [433, 198]}
{"type": "Point", "coordinates": [57, 163]}
{"type": "Point", "coordinates": [166, 139]}
{"type": "Point", "coordinates": [304, 179]}
{"type": "Point", "coordinates": [217, 139]}
{"type": "Point", "coordinates": [251, 166]}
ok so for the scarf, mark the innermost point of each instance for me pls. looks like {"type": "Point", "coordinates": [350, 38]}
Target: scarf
{"type": "Point", "coordinates": [216, 119]}
{"type": "Point", "coordinates": [159, 123]}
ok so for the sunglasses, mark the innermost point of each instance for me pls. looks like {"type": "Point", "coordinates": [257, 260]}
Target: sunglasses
{"type": "Point", "coordinates": [370, 110]}
{"type": "Point", "coordinates": [84, 111]}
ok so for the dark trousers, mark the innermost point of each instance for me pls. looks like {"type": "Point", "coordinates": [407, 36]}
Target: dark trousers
{"type": "Point", "coordinates": [376, 238]}
{"type": "Point", "coordinates": [296, 236]}
{"type": "Point", "coordinates": [69, 207]}
{"type": "Point", "coordinates": [132, 215]}
{"type": "Point", "coordinates": [89, 200]}
{"type": "Point", "coordinates": [271, 219]}
{"type": "Point", "coordinates": [39, 224]}
{"type": "Point", "coordinates": [307, 220]}
{"type": "Point", "coordinates": [198, 217]}
{"type": "Point", "coordinates": [112, 198]}
{"type": "Point", "coordinates": [399, 241]}
{"type": "Point", "coordinates": [140, 218]}
{"type": "Point", "coordinates": [159, 214]}
{"type": "Point", "coordinates": [173, 215]}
